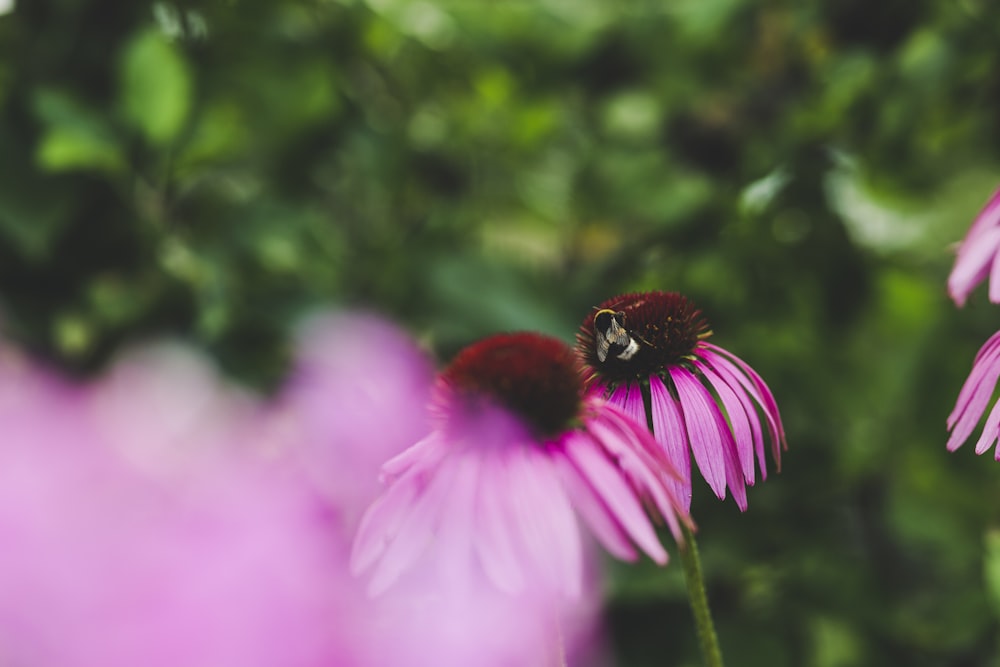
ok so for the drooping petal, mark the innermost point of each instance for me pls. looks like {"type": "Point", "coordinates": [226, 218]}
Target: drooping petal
{"type": "Point", "coordinates": [976, 253]}
{"type": "Point", "coordinates": [595, 512]}
{"type": "Point", "coordinates": [757, 388]}
{"type": "Point", "coordinates": [426, 453]}
{"type": "Point", "coordinates": [406, 476]}
{"type": "Point", "coordinates": [751, 400]}
{"type": "Point", "coordinates": [671, 433]}
{"type": "Point", "coordinates": [988, 217]}
{"type": "Point", "coordinates": [975, 394]}
{"type": "Point", "coordinates": [380, 522]}
{"type": "Point", "coordinates": [644, 463]}
{"type": "Point", "coordinates": [699, 416]}
{"type": "Point", "coordinates": [989, 346]}
{"type": "Point", "coordinates": [734, 475]}
{"type": "Point", "coordinates": [495, 545]}
{"type": "Point", "coordinates": [417, 530]}
{"type": "Point", "coordinates": [718, 433]}
{"type": "Point", "coordinates": [972, 264]}
{"type": "Point", "coordinates": [628, 398]}
{"type": "Point", "coordinates": [739, 421]}
{"type": "Point", "coordinates": [989, 434]}
{"type": "Point", "coordinates": [456, 535]}
{"type": "Point", "coordinates": [994, 289]}
{"type": "Point", "coordinates": [731, 379]}
{"type": "Point", "coordinates": [609, 485]}
{"type": "Point", "coordinates": [544, 518]}
{"type": "Point", "coordinates": [982, 369]}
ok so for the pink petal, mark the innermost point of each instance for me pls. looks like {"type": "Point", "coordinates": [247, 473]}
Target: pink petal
{"type": "Point", "coordinates": [994, 289]}
{"type": "Point", "coordinates": [734, 476]}
{"type": "Point", "coordinates": [618, 396]}
{"type": "Point", "coordinates": [495, 546]}
{"type": "Point", "coordinates": [983, 367]}
{"type": "Point", "coordinates": [972, 263]}
{"type": "Point", "coordinates": [757, 388]}
{"type": "Point", "coordinates": [976, 253]}
{"type": "Point", "coordinates": [989, 434]}
{"type": "Point", "coordinates": [736, 381]}
{"type": "Point", "coordinates": [988, 217]}
{"type": "Point", "coordinates": [417, 531]}
{"type": "Point", "coordinates": [380, 522]}
{"type": "Point", "coordinates": [544, 518]}
{"type": "Point", "coordinates": [974, 396]}
{"type": "Point", "coordinates": [643, 462]}
{"type": "Point", "coordinates": [699, 416]}
{"type": "Point", "coordinates": [458, 530]}
{"type": "Point", "coordinates": [992, 344]}
{"type": "Point", "coordinates": [628, 398]}
{"type": "Point", "coordinates": [609, 486]}
{"type": "Point", "coordinates": [743, 436]}
{"type": "Point", "coordinates": [671, 434]}
{"type": "Point", "coordinates": [595, 512]}
{"type": "Point", "coordinates": [426, 453]}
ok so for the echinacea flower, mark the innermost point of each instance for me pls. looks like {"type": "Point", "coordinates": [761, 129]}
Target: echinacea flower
{"type": "Point", "coordinates": [517, 450]}
{"type": "Point", "coordinates": [704, 401]}
{"type": "Point", "coordinates": [973, 398]}
{"type": "Point", "coordinates": [978, 255]}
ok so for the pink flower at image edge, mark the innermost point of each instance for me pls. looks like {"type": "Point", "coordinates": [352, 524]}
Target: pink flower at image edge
{"type": "Point", "coordinates": [978, 255]}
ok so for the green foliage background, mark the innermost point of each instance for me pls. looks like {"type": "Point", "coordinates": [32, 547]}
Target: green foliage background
{"type": "Point", "coordinates": [212, 170]}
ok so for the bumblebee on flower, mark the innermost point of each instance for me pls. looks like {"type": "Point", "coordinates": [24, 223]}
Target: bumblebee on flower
{"type": "Point", "coordinates": [649, 354]}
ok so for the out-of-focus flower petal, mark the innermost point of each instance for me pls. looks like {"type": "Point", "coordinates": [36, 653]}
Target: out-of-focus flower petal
{"type": "Point", "coordinates": [976, 393]}
{"type": "Point", "coordinates": [357, 396]}
{"type": "Point", "coordinates": [977, 255]}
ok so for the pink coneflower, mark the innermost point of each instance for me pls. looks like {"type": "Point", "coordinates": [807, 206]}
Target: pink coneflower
{"type": "Point", "coordinates": [651, 348]}
{"type": "Point", "coordinates": [977, 255]}
{"type": "Point", "coordinates": [516, 448]}
{"type": "Point", "coordinates": [973, 398]}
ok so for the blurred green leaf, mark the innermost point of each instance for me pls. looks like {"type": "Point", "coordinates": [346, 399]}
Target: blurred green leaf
{"type": "Point", "coordinates": [155, 86]}
{"type": "Point", "coordinates": [76, 137]}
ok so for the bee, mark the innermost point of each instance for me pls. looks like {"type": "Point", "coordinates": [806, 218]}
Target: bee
{"type": "Point", "coordinates": [612, 337]}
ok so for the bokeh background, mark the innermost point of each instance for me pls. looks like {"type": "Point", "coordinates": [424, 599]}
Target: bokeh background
{"type": "Point", "coordinates": [211, 171]}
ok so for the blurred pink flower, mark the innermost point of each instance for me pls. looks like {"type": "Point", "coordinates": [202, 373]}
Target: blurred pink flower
{"type": "Point", "coordinates": [977, 255]}
{"type": "Point", "coordinates": [356, 397]}
{"type": "Point", "coordinates": [491, 492]}
{"type": "Point", "coordinates": [973, 399]}
{"type": "Point", "coordinates": [704, 400]}
{"type": "Point", "coordinates": [161, 516]}
{"type": "Point", "coordinates": [113, 558]}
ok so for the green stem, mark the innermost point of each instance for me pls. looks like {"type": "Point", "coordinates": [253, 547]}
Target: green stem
{"type": "Point", "coordinates": [707, 639]}
{"type": "Point", "coordinates": [699, 601]}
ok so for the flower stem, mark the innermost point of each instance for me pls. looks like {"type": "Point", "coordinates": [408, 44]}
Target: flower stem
{"type": "Point", "coordinates": [707, 639]}
{"type": "Point", "coordinates": [697, 597]}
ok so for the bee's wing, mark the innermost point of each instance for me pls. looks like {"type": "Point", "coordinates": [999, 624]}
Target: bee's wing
{"type": "Point", "coordinates": [618, 335]}
{"type": "Point", "coordinates": [615, 335]}
{"type": "Point", "coordinates": [603, 345]}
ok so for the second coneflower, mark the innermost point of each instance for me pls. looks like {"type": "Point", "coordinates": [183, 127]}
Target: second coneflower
{"type": "Point", "coordinates": [518, 450]}
{"type": "Point", "coordinates": [649, 353]}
